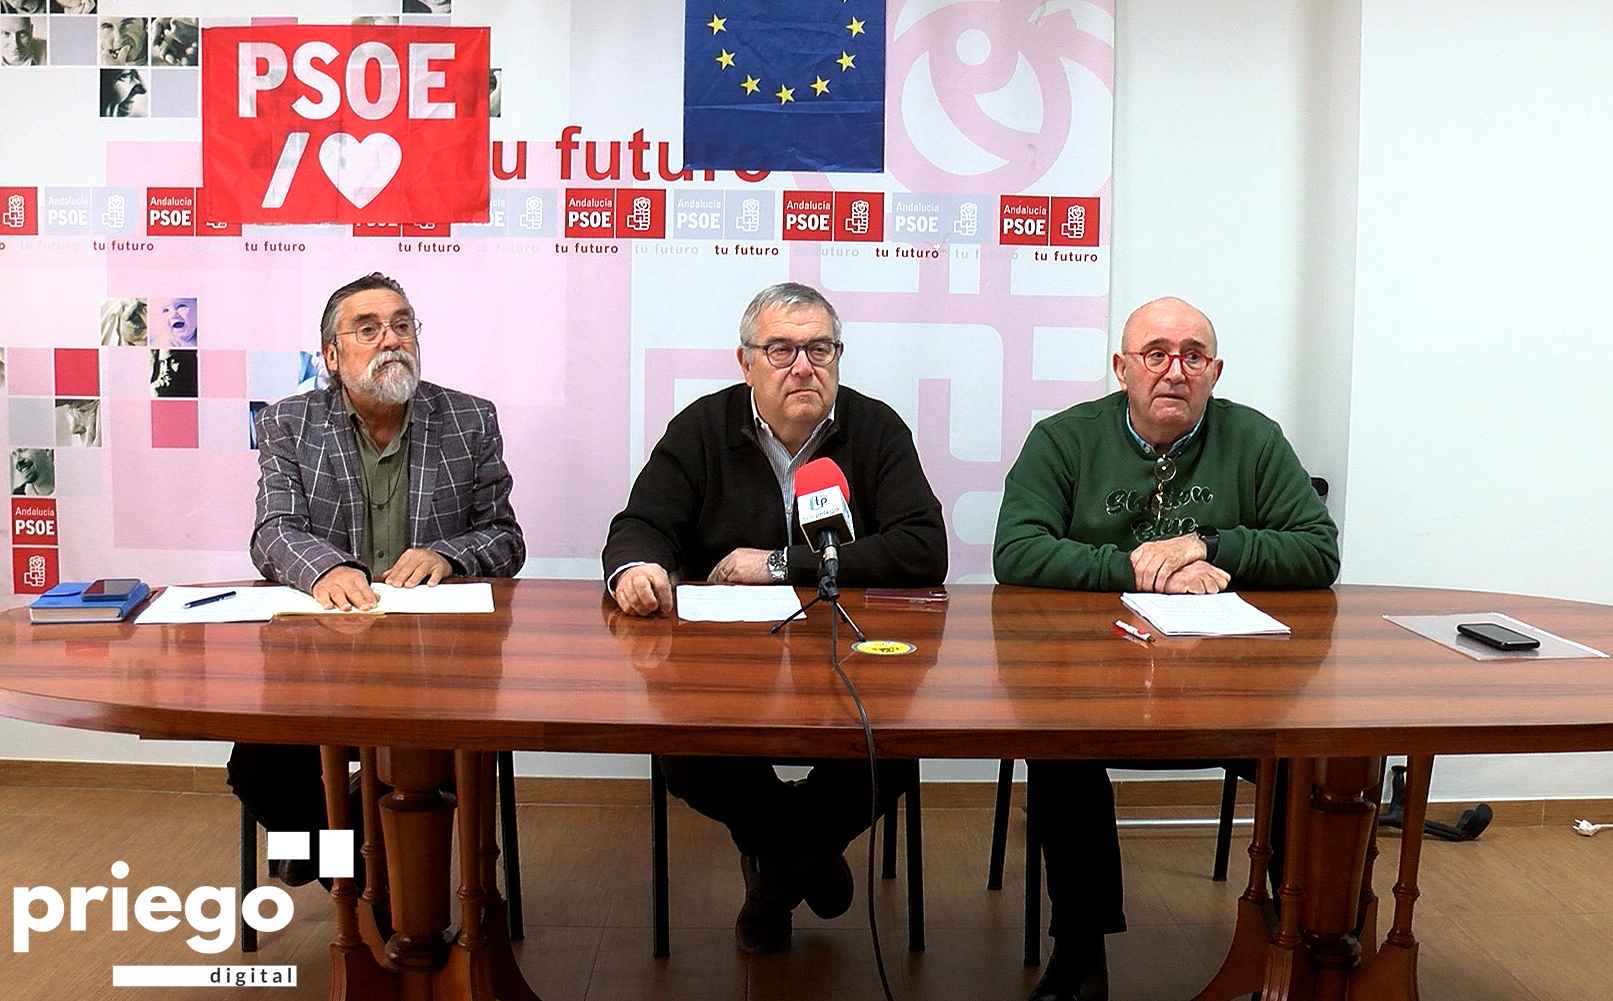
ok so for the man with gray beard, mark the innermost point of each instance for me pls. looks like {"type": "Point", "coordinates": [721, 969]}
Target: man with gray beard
{"type": "Point", "coordinates": [379, 477]}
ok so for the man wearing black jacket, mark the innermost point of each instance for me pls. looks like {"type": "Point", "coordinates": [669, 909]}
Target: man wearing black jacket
{"type": "Point", "coordinates": [714, 502]}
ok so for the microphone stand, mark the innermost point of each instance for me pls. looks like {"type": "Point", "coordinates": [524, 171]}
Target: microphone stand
{"type": "Point", "coordinates": [828, 590]}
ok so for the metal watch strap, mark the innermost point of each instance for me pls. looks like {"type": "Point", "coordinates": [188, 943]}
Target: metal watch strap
{"type": "Point", "coordinates": [778, 566]}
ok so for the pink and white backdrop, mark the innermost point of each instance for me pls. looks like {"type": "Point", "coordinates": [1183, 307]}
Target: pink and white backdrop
{"type": "Point", "coordinates": [587, 345]}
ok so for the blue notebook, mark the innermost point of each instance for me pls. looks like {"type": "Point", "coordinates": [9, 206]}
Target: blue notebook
{"type": "Point", "coordinates": [66, 603]}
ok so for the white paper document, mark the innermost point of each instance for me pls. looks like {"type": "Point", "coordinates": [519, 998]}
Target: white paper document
{"type": "Point", "coordinates": [1223, 614]}
{"type": "Point", "coordinates": [260, 604]}
{"type": "Point", "coordinates": [736, 602]}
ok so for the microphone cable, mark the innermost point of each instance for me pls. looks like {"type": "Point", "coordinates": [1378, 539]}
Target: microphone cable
{"type": "Point", "coordinates": [873, 785]}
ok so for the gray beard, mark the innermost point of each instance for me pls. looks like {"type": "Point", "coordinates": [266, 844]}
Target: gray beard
{"type": "Point", "coordinates": [397, 384]}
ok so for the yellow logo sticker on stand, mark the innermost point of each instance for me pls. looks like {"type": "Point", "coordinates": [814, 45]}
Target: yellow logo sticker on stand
{"type": "Point", "coordinates": [884, 648]}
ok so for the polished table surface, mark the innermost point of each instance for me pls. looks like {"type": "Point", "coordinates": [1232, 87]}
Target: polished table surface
{"type": "Point", "coordinates": [999, 672]}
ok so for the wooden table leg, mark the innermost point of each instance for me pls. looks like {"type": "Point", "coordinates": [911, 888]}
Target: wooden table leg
{"type": "Point", "coordinates": [421, 960]}
{"type": "Point", "coordinates": [1366, 930]}
{"type": "Point", "coordinates": [509, 984]}
{"type": "Point", "coordinates": [374, 906]}
{"type": "Point", "coordinates": [468, 972]}
{"type": "Point", "coordinates": [417, 823]}
{"type": "Point", "coordinates": [1342, 811]}
{"type": "Point", "coordinates": [1287, 967]}
{"type": "Point", "coordinates": [1243, 970]}
{"type": "Point", "coordinates": [1392, 975]}
{"type": "Point", "coordinates": [354, 971]}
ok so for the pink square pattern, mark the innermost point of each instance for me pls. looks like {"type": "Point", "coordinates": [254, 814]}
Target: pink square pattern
{"type": "Point", "coordinates": [31, 372]}
{"type": "Point", "coordinates": [223, 374]}
{"type": "Point", "coordinates": [78, 372]}
{"type": "Point", "coordinates": [173, 424]}
{"type": "Point", "coordinates": [223, 425]}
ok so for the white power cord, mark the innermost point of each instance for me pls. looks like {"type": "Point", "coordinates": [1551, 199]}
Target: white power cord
{"type": "Point", "coordinates": [1589, 829]}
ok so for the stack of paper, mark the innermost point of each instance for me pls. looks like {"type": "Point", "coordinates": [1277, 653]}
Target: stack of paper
{"type": "Point", "coordinates": [260, 604]}
{"type": "Point", "coordinates": [1223, 614]}
{"type": "Point", "coordinates": [736, 602]}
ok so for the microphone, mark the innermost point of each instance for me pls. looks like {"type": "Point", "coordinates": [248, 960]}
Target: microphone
{"type": "Point", "coordinates": [822, 505]}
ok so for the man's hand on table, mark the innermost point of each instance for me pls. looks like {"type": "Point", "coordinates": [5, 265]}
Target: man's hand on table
{"type": "Point", "coordinates": [1153, 563]}
{"type": "Point", "coordinates": [345, 589]}
{"type": "Point", "coordinates": [742, 566]}
{"type": "Point", "coordinates": [416, 566]}
{"type": "Point", "coordinates": [644, 590]}
{"type": "Point", "coordinates": [1198, 577]}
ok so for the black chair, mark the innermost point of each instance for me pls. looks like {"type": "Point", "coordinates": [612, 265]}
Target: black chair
{"type": "Point", "coordinates": [660, 921]}
{"type": "Point", "coordinates": [511, 850]}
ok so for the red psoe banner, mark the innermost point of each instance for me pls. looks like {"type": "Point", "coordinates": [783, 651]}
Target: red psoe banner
{"type": "Point", "coordinates": [345, 124]}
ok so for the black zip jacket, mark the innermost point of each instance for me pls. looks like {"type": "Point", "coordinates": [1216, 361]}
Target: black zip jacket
{"type": "Point", "coordinates": [708, 489]}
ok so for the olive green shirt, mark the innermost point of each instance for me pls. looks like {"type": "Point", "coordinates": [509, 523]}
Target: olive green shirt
{"type": "Point", "coordinates": [384, 475]}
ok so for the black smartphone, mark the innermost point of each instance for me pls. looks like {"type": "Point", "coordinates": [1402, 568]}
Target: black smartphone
{"type": "Point", "coordinates": [1499, 637]}
{"type": "Point", "coordinates": [111, 589]}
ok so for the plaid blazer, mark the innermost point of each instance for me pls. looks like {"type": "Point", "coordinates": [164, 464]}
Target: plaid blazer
{"type": "Point", "coordinates": [311, 510]}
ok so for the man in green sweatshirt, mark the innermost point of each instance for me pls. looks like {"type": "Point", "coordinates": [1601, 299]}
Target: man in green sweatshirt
{"type": "Point", "coordinates": [1160, 488]}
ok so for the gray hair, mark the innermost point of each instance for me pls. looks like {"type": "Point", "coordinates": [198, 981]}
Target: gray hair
{"type": "Point", "coordinates": [327, 320]}
{"type": "Point", "coordinates": [784, 295]}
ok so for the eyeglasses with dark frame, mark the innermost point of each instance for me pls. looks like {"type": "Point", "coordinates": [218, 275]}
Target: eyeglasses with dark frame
{"type": "Point", "coordinates": [370, 332]}
{"type": "Point", "coordinates": [782, 354]}
{"type": "Point", "coordinates": [1158, 360]}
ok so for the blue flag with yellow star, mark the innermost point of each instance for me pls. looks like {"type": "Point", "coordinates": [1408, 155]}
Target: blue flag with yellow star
{"type": "Point", "coordinates": [784, 86]}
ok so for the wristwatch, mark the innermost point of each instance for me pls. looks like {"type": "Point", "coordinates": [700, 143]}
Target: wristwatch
{"type": "Point", "coordinates": [1212, 541]}
{"type": "Point", "coordinates": [778, 566]}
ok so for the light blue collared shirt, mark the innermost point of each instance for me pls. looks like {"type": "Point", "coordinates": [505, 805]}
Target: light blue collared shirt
{"type": "Point", "coordinates": [784, 464]}
{"type": "Point", "coordinates": [1177, 446]}
{"type": "Point", "coordinates": [784, 468]}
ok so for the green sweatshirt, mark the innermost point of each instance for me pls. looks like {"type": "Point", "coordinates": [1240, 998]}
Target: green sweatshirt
{"type": "Point", "coordinates": [1079, 498]}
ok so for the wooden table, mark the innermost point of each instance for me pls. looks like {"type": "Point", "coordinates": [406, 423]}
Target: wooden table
{"type": "Point", "coordinates": [1001, 672]}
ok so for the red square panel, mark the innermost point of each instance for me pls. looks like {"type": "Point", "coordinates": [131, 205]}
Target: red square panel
{"type": "Point", "coordinates": [1022, 220]}
{"type": "Point", "coordinates": [19, 211]}
{"type": "Point", "coordinates": [173, 424]}
{"type": "Point", "coordinates": [33, 521]}
{"type": "Point", "coordinates": [590, 212]}
{"type": "Point", "coordinates": [860, 216]}
{"type": "Point", "coordinates": [440, 230]}
{"type": "Point", "coordinates": [78, 372]}
{"type": "Point", "coordinates": [641, 213]}
{"type": "Point", "coordinates": [207, 221]}
{"type": "Point", "coordinates": [33, 571]}
{"type": "Point", "coordinates": [808, 215]}
{"type": "Point", "coordinates": [377, 229]}
{"type": "Point", "coordinates": [1074, 222]}
{"type": "Point", "coordinates": [170, 211]}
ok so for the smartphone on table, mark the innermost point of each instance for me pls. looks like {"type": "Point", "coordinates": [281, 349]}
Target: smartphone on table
{"type": "Point", "coordinates": [1497, 636]}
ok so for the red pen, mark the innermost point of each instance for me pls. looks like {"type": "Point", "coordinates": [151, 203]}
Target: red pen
{"type": "Point", "coordinates": [1127, 629]}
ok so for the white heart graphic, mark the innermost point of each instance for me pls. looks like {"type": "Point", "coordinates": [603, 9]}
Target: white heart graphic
{"type": "Point", "coordinates": [360, 170]}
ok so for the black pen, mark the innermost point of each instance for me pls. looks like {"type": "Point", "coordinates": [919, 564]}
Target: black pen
{"type": "Point", "coordinates": [210, 599]}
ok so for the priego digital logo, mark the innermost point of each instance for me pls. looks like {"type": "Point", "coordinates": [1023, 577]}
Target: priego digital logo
{"type": "Point", "coordinates": [210, 913]}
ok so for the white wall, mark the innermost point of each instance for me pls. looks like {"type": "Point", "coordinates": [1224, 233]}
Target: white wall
{"type": "Point", "coordinates": [1394, 216]}
{"type": "Point", "coordinates": [1480, 353]}
{"type": "Point", "coordinates": [1481, 403]}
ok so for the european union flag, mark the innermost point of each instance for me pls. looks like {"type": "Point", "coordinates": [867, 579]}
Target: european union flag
{"type": "Point", "coordinates": [784, 86]}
